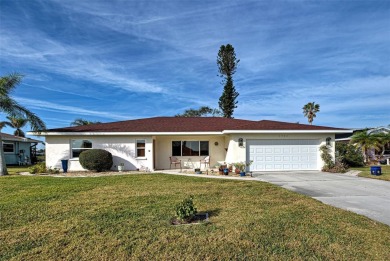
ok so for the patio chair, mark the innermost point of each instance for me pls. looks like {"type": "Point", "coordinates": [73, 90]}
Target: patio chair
{"type": "Point", "coordinates": [205, 161]}
{"type": "Point", "coordinates": [175, 161]}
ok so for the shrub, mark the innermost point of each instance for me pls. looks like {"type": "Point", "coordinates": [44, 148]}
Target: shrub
{"type": "Point", "coordinates": [53, 170]}
{"type": "Point", "coordinates": [96, 160]}
{"type": "Point", "coordinates": [186, 210]}
{"type": "Point", "coordinates": [335, 167]}
{"type": "Point", "coordinates": [41, 168]}
{"type": "Point", "coordinates": [38, 168]}
{"type": "Point", "coordinates": [351, 155]}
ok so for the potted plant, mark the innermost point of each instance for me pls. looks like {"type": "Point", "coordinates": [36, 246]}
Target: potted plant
{"type": "Point", "coordinates": [219, 167]}
{"type": "Point", "coordinates": [243, 166]}
{"type": "Point", "coordinates": [227, 169]}
{"type": "Point", "coordinates": [121, 167]}
{"type": "Point", "coordinates": [238, 166]}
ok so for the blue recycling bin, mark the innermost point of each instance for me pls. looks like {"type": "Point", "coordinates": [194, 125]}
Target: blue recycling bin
{"type": "Point", "coordinates": [65, 165]}
{"type": "Point", "coordinates": [376, 170]}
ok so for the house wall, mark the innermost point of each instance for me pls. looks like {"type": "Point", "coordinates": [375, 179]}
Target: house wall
{"type": "Point", "coordinates": [237, 154]}
{"type": "Point", "coordinates": [122, 148]}
{"type": "Point", "coordinates": [164, 151]}
{"type": "Point", "coordinates": [13, 158]}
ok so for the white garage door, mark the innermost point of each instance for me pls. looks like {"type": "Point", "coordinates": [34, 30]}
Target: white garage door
{"type": "Point", "coordinates": [270, 155]}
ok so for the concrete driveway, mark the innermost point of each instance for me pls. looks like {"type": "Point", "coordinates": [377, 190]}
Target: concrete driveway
{"type": "Point", "coordinates": [364, 196]}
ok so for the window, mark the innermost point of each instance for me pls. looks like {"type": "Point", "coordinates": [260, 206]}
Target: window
{"type": "Point", "coordinates": [140, 148]}
{"type": "Point", "coordinates": [190, 148]}
{"type": "Point", "coordinates": [79, 146]}
{"type": "Point", "coordinates": [8, 147]}
{"type": "Point", "coordinates": [204, 148]}
{"type": "Point", "coordinates": [176, 148]}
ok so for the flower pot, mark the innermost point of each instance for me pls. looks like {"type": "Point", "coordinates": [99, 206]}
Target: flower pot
{"type": "Point", "coordinates": [226, 171]}
{"type": "Point", "coordinates": [242, 174]}
{"type": "Point", "coordinates": [237, 171]}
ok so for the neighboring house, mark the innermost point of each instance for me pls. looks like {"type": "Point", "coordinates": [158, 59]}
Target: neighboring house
{"type": "Point", "coordinates": [379, 154]}
{"type": "Point", "coordinates": [19, 150]}
{"type": "Point", "coordinates": [346, 137]}
{"type": "Point", "coordinates": [148, 143]}
{"type": "Point", "coordinates": [379, 130]}
{"type": "Point", "coordinates": [372, 153]}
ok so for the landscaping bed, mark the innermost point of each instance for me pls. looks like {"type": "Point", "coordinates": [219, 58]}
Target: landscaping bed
{"type": "Point", "coordinates": [128, 218]}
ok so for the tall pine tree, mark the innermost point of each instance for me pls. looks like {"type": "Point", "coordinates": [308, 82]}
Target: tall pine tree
{"type": "Point", "coordinates": [227, 65]}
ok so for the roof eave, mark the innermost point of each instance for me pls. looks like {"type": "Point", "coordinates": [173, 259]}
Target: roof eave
{"type": "Point", "coordinates": [283, 131]}
{"type": "Point", "coordinates": [183, 133]}
{"type": "Point", "coordinates": [123, 133]}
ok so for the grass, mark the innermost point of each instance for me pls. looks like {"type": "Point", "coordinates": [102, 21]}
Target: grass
{"type": "Point", "coordinates": [13, 170]}
{"type": "Point", "coordinates": [127, 218]}
{"type": "Point", "coordinates": [365, 172]}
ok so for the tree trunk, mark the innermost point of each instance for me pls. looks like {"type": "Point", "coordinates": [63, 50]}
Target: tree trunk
{"type": "Point", "coordinates": [3, 166]}
{"type": "Point", "coordinates": [365, 153]}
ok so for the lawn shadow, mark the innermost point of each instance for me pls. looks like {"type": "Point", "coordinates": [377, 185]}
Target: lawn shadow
{"type": "Point", "coordinates": [212, 212]}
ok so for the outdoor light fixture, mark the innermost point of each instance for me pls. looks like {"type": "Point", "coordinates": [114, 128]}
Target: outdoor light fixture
{"type": "Point", "coordinates": [216, 143]}
{"type": "Point", "coordinates": [241, 142]}
{"type": "Point", "coordinates": [328, 141]}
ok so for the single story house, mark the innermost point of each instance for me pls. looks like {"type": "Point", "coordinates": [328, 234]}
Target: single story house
{"type": "Point", "coordinates": [149, 143]}
{"type": "Point", "coordinates": [19, 150]}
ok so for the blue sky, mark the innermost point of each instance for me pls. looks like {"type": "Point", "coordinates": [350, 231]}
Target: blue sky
{"type": "Point", "coordinates": [118, 60]}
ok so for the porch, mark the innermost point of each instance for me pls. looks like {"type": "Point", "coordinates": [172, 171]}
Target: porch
{"type": "Point", "coordinates": [189, 150]}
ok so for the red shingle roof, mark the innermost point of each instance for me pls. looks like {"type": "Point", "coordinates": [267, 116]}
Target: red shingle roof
{"type": "Point", "coordinates": [190, 124]}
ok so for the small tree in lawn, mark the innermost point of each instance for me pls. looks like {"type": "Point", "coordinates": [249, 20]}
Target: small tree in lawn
{"type": "Point", "coordinates": [227, 65]}
{"type": "Point", "coordinates": [12, 108]}
{"type": "Point", "coordinates": [310, 111]}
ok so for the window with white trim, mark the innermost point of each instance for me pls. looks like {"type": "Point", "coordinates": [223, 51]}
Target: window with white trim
{"type": "Point", "coordinates": [8, 147]}
{"type": "Point", "coordinates": [79, 146]}
{"type": "Point", "coordinates": [190, 148]}
{"type": "Point", "coordinates": [140, 144]}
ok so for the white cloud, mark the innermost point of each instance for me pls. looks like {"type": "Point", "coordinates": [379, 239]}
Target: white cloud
{"type": "Point", "coordinates": [73, 61]}
{"type": "Point", "coordinates": [55, 107]}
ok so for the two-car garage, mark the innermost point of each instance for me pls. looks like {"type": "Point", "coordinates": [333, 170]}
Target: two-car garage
{"type": "Point", "coordinates": [283, 154]}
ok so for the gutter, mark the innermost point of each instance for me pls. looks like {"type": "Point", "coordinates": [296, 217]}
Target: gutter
{"type": "Point", "coordinates": [283, 131]}
{"type": "Point", "coordinates": [183, 133]}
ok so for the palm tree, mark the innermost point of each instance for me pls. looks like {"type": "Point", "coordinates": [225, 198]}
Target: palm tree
{"type": "Point", "coordinates": [310, 110]}
{"type": "Point", "coordinates": [82, 122]}
{"type": "Point", "coordinates": [17, 123]}
{"type": "Point", "coordinates": [383, 140]}
{"type": "Point", "coordinates": [365, 141]}
{"type": "Point", "coordinates": [10, 107]}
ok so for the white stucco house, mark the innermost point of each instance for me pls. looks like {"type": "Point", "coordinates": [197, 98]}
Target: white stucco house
{"type": "Point", "coordinates": [148, 143]}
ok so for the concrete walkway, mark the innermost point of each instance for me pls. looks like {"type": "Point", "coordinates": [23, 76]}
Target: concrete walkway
{"type": "Point", "coordinates": [368, 197]}
{"type": "Point", "coordinates": [177, 172]}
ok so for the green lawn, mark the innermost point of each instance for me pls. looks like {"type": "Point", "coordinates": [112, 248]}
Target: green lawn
{"type": "Point", "coordinates": [12, 170]}
{"type": "Point", "coordinates": [365, 172]}
{"type": "Point", "coordinates": [127, 218]}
